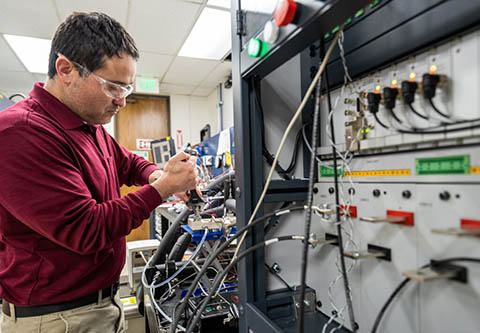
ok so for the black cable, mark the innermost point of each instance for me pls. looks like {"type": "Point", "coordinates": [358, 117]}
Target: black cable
{"type": "Point", "coordinates": [416, 112]}
{"type": "Point", "coordinates": [308, 218]}
{"type": "Point", "coordinates": [222, 247]}
{"type": "Point", "coordinates": [437, 110]}
{"type": "Point", "coordinates": [404, 283]}
{"type": "Point", "coordinates": [269, 157]}
{"type": "Point", "coordinates": [445, 130]}
{"type": "Point", "coordinates": [378, 121]}
{"type": "Point", "coordinates": [219, 277]}
{"type": "Point", "coordinates": [395, 116]}
{"type": "Point", "coordinates": [346, 284]}
{"type": "Point", "coordinates": [278, 276]}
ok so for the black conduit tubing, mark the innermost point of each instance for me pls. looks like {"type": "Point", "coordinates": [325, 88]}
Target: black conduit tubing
{"type": "Point", "coordinates": [308, 218]}
{"type": "Point", "coordinates": [169, 239]}
{"type": "Point", "coordinates": [346, 284]}
{"type": "Point", "coordinates": [181, 245]}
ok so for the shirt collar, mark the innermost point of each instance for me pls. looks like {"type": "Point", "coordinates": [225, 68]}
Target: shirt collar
{"type": "Point", "coordinates": [59, 111]}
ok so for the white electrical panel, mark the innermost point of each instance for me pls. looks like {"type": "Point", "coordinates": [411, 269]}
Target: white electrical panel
{"type": "Point", "coordinates": [432, 178]}
{"type": "Point", "coordinates": [457, 62]}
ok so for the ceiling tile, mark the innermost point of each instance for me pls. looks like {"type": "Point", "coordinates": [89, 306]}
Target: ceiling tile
{"type": "Point", "coordinates": [115, 8]}
{"type": "Point", "coordinates": [203, 91]}
{"type": "Point", "coordinates": [161, 26]}
{"type": "Point", "coordinates": [8, 59]}
{"type": "Point", "coordinates": [14, 82]}
{"type": "Point", "coordinates": [173, 89]}
{"type": "Point", "coordinates": [28, 18]}
{"type": "Point", "coordinates": [189, 71]}
{"type": "Point", "coordinates": [153, 64]}
{"type": "Point", "coordinates": [219, 74]}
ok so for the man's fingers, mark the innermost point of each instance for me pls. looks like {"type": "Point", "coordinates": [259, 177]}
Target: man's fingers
{"type": "Point", "coordinates": [180, 156]}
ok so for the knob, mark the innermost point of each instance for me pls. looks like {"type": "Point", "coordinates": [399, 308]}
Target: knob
{"type": "Point", "coordinates": [376, 193]}
{"type": "Point", "coordinates": [444, 195]}
{"type": "Point", "coordinates": [331, 190]}
{"type": "Point", "coordinates": [407, 194]}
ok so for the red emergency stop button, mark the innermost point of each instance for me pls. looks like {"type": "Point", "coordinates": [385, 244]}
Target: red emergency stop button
{"type": "Point", "coordinates": [284, 12]}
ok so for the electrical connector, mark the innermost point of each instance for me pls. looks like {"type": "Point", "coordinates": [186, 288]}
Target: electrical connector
{"type": "Point", "coordinates": [373, 102]}
{"type": "Point", "coordinates": [429, 85]}
{"type": "Point", "coordinates": [389, 97]}
{"type": "Point", "coordinates": [408, 91]}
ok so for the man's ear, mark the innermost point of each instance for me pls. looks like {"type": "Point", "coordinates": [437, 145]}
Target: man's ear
{"type": "Point", "coordinates": [65, 70]}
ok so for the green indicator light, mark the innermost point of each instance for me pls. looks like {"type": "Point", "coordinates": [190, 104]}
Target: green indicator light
{"type": "Point", "coordinates": [367, 130]}
{"type": "Point", "coordinates": [335, 30]}
{"type": "Point", "coordinates": [327, 35]}
{"type": "Point", "coordinates": [254, 47]}
{"type": "Point", "coordinates": [347, 22]}
{"type": "Point", "coordinates": [208, 309]}
{"type": "Point", "coordinates": [360, 13]}
{"type": "Point", "coordinates": [374, 4]}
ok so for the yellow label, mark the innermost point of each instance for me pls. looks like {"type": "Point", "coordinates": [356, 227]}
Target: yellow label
{"type": "Point", "coordinates": [475, 170]}
{"type": "Point", "coordinates": [379, 173]}
{"type": "Point", "coordinates": [228, 157]}
{"type": "Point", "coordinates": [129, 300]}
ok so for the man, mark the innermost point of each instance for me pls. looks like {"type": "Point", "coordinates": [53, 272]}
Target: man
{"type": "Point", "coordinates": [62, 221]}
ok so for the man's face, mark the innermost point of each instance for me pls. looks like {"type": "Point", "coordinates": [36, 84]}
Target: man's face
{"type": "Point", "coordinates": [86, 95]}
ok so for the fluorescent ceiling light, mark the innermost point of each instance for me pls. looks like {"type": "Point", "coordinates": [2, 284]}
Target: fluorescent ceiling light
{"type": "Point", "coordinates": [263, 6]}
{"type": "Point", "coordinates": [33, 52]}
{"type": "Point", "coordinates": [210, 38]}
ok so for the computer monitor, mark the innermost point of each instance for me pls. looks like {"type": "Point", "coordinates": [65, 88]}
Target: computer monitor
{"type": "Point", "coordinates": [162, 150]}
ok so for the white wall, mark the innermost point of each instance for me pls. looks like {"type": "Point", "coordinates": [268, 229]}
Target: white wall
{"type": "Point", "coordinates": [191, 113]}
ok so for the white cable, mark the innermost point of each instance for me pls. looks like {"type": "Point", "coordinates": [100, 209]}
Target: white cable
{"type": "Point", "coordinates": [174, 275]}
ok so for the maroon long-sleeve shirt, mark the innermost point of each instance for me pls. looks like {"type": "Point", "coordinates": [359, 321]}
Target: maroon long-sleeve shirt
{"type": "Point", "coordinates": [62, 221]}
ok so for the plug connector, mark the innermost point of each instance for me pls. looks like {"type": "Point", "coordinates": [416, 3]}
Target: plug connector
{"type": "Point", "coordinates": [389, 97]}
{"type": "Point", "coordinates": [373, 102]}
{"type": "Point", "coordinates": [429, 85]}
{"type": "Point", "coordinates": [408, 91]}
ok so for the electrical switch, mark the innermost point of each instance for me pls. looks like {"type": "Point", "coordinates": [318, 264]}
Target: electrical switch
{"type": "Point", "coordinates": [285, 12]}
{"type": "Point", "coordinates": [255, 47]}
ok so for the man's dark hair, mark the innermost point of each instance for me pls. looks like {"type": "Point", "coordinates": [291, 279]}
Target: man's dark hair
{"type": "Point", "coordinates": [89, 38]}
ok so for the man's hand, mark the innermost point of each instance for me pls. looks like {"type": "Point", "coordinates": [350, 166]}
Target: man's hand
{"type": "Point", "coordinates": [179, 175]}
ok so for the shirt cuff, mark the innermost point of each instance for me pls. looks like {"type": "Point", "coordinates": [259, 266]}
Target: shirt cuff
{"type": "Point", "coordinates": [150, 196]}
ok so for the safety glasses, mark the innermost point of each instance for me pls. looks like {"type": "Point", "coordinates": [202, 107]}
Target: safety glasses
{"type": "Point", "coordinates": [112, 90]}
